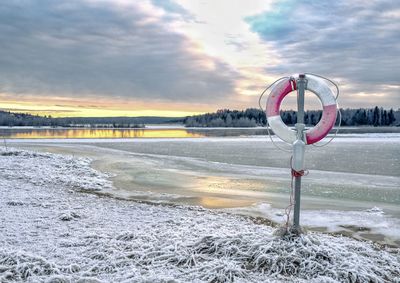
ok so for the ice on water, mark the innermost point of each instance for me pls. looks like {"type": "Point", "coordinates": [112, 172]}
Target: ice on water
{"type": "Point", "coordinates": [55, 228]}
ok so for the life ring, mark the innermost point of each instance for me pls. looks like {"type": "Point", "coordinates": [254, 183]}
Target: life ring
{"type": "Point", "coordinates": [325, 95]}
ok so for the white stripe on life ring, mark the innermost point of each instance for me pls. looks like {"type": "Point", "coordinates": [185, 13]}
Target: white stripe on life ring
{"type": "Point", "coordinates": [321, 89]}
{"type": "Point", "coordinates": [281, 130]}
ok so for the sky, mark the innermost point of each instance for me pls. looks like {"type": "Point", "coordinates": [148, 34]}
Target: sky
{"type": "Point", "coordinates": [183, 57]}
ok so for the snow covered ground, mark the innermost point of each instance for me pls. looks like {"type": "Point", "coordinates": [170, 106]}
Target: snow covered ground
{"type": "Point", "coordinates": [352, 187]}
{"type": "Point", "coordinates": [55, 227]}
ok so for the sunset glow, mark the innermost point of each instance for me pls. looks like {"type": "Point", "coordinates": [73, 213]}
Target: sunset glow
{"type": "Point", "coordinates": [176, 58]}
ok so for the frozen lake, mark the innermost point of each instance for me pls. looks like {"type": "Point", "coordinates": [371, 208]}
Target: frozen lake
{"type": "Point", "coordinates": [353, 186]}
{"type": "Point", "coordinates": [152, 131]}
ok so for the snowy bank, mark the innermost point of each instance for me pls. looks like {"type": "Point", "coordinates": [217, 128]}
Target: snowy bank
{"type": "Point", "coordinates": [51, 231]}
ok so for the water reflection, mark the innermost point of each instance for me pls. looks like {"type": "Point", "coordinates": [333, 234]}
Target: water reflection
{"type": "Point", "coordinates": [219, 202]}
{"type": "Point", "coordinates": [97, 133]}
{"type": "Point", "coordinates": [79, 133]}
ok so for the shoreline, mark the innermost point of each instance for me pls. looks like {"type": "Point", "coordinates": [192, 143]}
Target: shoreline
{"type": "Point", "coordinates": [125, 191]}
{"type": "Point", "coordinates": [261, 220]}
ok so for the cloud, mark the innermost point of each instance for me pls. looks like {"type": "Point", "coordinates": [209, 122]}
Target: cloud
{"type": "Point", "coordinates": [51, 111]}
{"type": "Point", "coordinates": [355, 42]}
{"type": "Point", "coordinates": [105, 48]}
{"type": "Point", "coordinates": [192, 54]}
{"type": "Point", "coordinates": [173, 9]}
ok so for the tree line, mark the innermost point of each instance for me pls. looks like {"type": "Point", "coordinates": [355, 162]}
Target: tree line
{"type": "Point", "coordinates": [254, 117]}
{"type": "Point", "coordinates": [12, 119]}
{"type": "Point", "coordinates": [222, 118]}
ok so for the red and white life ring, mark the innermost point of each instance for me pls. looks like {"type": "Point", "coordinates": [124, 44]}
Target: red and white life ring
{"type": "Point", "coordinates": [325, 95]}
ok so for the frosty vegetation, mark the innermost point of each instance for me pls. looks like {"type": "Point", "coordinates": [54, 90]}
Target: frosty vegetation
{"type": "Point", "coordinates": [56, 226]}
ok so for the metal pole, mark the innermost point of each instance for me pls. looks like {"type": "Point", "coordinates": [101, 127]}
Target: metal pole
{"type": "Point", "coordinates": [301, 85]}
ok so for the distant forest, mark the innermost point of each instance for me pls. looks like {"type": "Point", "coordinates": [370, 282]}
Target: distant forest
{"type": "Point", "coordinates": [254, 117]}
{"type": "Point", "coordinates": [222, 118]}
{"type": "Point", "coordinates": [20, 119]}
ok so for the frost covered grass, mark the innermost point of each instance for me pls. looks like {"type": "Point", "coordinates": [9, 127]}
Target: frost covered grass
{"type": "Point", "coordinates": [51, 231]}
